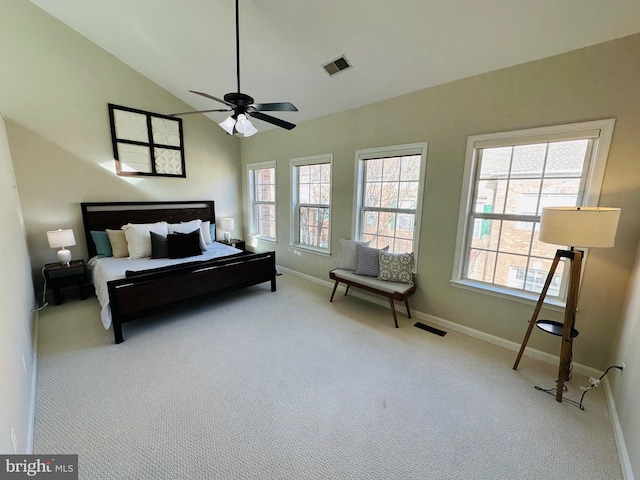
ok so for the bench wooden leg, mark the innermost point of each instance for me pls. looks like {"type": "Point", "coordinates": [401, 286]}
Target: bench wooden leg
{"type": "Point", "coordinates": [393, 310]}
{"type": "Point", "coordinates": [334, 290]}
{"type": "Point", "coordinates": [406, 304]}
{"type": "Point", "coordinates": [347, 290]}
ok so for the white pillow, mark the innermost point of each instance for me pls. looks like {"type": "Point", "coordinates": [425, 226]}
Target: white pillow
{"type": "Point", "coordinates": [205, 228]}
{"type": "Point", "coordinates": [347, 255]}
{"type": "Point", "coordinates": [188, 227]}
{"type": "Point", "coordinates": [138, 238]}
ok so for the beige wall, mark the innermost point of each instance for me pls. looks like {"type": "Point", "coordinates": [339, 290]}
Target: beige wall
{"type": "Point", "coordinates": [626, 390]}
{"type": "Point", "coordinates": [593, 83]}
{"type": "Point", "coordinates": [16, 303]}
{"type": "Point", "coordinates": [54, 90]}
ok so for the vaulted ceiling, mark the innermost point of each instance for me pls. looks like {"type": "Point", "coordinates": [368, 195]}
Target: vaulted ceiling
{"type": "Point", "coordinates": [395, 47]}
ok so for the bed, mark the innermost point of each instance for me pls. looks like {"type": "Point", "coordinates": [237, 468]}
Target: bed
{"type": "Point", "coordinates": [137, 288]}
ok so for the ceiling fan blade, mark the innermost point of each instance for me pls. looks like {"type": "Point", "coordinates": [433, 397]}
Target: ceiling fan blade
{"type": "Point", "coordinates": [274, 107]}
{"type": "Point", "coordinates": [212, 98]}
{"type": "Point", "coordinates": [198, 111]}
{"type": "Point", "coordinates": [272, 120]}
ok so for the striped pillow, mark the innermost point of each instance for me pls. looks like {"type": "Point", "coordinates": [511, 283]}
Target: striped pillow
{"type": "Point", "coordinates": [367, 261]}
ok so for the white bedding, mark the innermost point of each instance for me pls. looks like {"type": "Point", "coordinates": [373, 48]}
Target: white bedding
{"type": "Point", "coordinates": [106, 269]}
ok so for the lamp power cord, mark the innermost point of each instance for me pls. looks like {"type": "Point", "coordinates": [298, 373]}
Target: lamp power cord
{"type": "Point", "coordinates": [594, 382]}
{"type": "Point", "coordinates": [44, 294]}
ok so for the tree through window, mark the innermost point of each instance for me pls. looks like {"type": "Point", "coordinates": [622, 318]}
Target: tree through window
{"type": "Point", "coordinates": [311, 209]}
{"type": "Point", "coordinates": [390, 185]}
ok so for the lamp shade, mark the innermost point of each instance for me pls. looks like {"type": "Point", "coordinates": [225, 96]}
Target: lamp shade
{"type": "Point", "coordinates": [251, 132]}
{"type": "Point", "coordinates": [228, 125]}
{"type": "Point", "coordinates": [579, 226]}
{"type": "Point", "coordinates": [227, 224]}
{"type": "Point", "coordinates": [243, 125]}
{"type": "Point", "coordinates": [61, 238]}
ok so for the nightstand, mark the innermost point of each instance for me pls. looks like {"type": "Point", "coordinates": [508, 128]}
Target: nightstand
{"type": "Point", "coordinates": [58, 276]}
{"type": "Point", "coordinates": [236, 242]}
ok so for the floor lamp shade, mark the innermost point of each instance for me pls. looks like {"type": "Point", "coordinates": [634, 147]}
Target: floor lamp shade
{"type": "Point", "coordinates": [579, 226]}
{"type": "Point", "coordinates": [61, 239]}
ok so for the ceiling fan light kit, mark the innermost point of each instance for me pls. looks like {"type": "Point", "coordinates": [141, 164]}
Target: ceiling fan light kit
{"type": "Point", "coordinates": [243, 105]}
{"type": "Point", "coordinates": [228, 125]}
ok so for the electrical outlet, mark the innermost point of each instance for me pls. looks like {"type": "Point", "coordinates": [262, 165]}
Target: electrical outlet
{"type": "Point", "coordinates": [14, 440]}
{"type": "Point", "coordinates": [624, 367]}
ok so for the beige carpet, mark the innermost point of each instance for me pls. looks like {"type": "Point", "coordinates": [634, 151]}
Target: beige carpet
{"type": "Point", "coordinates": [285, 385]}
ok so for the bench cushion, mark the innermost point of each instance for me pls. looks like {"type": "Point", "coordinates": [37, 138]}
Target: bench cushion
{"type": "Point", "coordinates": [389, 287]}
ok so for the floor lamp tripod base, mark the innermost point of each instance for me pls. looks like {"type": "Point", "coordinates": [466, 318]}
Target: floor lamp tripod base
{"type": "Point", "coordinates": [566, 330]}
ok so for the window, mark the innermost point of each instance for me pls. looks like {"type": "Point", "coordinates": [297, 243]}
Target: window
{"type": "Point", "coordinates": [262, 200]}
{"type": "Point", "coordinates": [389, 191]}
{"type": "Point", "coordinates": [509, 178]}
{"type": "Point", "coordinates": [311, 203]}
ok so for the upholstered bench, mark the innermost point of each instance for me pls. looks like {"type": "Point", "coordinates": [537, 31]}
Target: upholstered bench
{"type": "Point", "coordinates": [391, 290]}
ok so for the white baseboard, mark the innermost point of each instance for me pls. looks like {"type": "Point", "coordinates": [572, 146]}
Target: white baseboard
{"type": "Point", "coordinates": [34, 379]}
{"type": "Point", "coordinates": [623, 453]}
{"type": "Point", "coordinates": [487, 337]}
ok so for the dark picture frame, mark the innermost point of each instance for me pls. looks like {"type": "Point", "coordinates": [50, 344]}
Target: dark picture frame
{"type": "Point", "coordinates": [146, 143]}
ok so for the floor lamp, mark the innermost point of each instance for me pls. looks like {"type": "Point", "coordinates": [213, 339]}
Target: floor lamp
{"type": "Point", "coordinates": [575, 227]}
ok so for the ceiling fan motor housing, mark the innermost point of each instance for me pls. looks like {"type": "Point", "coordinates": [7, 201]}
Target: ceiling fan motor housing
{"type": "Point", "coordinates": [241, 100]}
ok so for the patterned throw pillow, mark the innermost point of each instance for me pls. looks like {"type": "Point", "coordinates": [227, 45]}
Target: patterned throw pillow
{"type": "Point", "coordinates": [396, 267]}
{"type": "Point", "coordinates": [367, 262]}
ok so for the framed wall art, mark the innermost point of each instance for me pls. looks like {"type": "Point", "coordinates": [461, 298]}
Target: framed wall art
{"type": "Point", "coordinates": [146, 143]}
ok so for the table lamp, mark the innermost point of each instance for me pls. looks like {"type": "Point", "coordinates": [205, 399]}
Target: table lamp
{"type": "Point", "coordinates": [575, 227]}
{"type": "Point", "coordinates": [61, 239]}
{"type": "Point", "coordinates": [227, 224]}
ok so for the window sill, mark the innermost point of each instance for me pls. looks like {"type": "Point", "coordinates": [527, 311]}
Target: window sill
{"type": "Point", "coordinates": [304, 248]}
{"type": "Point", "coordinates": [526, 298]}
{"type": "Point", "coordinates": [263, 239]}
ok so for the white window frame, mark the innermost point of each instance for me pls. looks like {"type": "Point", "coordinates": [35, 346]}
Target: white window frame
{"type": "Point", "coordinates": [252, 201]}
{"type": "Point", "coordinates": [295, 220]}
{"type": "Point", "coordinates": [600, 131]}
{"type": "Point", "coordinates": [358, 190]}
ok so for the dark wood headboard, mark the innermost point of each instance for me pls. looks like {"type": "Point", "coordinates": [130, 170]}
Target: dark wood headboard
{"type": "Point", "coordinates": [97, 216]}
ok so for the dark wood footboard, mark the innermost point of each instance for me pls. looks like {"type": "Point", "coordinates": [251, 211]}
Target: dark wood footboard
{"type": "Point", "coordinates": [144, 294]}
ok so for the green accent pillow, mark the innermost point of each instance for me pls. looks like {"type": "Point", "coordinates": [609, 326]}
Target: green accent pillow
{"type": "Point", "coordinates": [396, 267]}
{"type": "Point", "coordinates": [102, 243]}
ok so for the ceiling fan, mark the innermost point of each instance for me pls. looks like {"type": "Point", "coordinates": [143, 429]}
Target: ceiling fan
{"type": "Point", "coordinates": [243, 105]}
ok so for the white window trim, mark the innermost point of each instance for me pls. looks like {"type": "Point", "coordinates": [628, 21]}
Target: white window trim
{"type": "Point", "coordinates": [298, 162]}
{"type": "Point", "coordinates": [600, 130]}
{"type": "Point", "coordinates": [390, 151]}
{"type": "Point", "coordinates": [251, 197]}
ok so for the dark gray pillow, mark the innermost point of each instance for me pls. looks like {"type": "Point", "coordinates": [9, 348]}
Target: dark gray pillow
{"type": "Point", "coordinates": [183, 245]}
{"type": "Point", "coordinates": [159, 246]}
{"type": "Point", "coordinates": [367, 260]}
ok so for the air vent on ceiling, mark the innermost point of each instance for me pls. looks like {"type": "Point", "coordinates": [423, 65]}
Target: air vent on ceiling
{"type": "Point", "coordinates": [337, 65]}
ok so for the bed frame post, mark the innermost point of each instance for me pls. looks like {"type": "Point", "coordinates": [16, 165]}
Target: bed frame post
{"type": "Point", "coordinates": [117, 330]}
